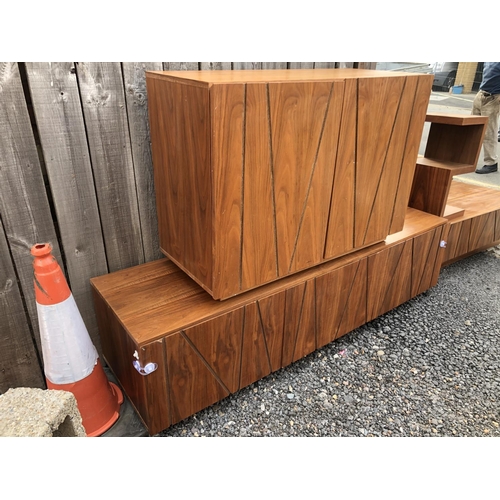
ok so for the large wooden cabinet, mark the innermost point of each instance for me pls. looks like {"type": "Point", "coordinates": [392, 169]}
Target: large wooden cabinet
{"type": "Point", "coordinates": [261, 174]}
{"type": "Point", "coordinates": [206, 349]}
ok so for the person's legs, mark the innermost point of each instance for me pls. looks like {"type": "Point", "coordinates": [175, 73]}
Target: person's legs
{"type": "Point", "coordinates": [476, 105]}
{"type": "Point", "coordinates": [488, 106]}
{"type": "Point", "coordinates": [491, 109]}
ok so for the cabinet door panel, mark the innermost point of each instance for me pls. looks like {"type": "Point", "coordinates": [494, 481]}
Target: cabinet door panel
{"type": "Point", "coordinates": [340, 301]}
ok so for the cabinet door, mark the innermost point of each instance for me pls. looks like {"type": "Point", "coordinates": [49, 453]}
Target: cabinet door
{"type": "Point", "coordinates": [389, 279]}
{"type": "Point", "coordinates": [209, 361]}
{"type": "Point", "coordinates": [203, 363]}
{"type": "Point", "coordinates": [275, 151]}
{"type": "Point", "coordinates": [340, 301]}
{"type": "Point", "coordinates": [391, 116]}
{"type": "Point", "coordinates": [401, 272]}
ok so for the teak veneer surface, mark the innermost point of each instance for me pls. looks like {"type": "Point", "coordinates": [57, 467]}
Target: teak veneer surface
{"type": "Point", "coordinates": [279, 171]}
{"type": "Point", "coordinates": [475, 200]}
{"type": "Point", "coordinates": [157, 299]}
{"type": "Point", "coordinates": [453, 167]}
{"type": "Point", "coordinates": [453, 148]}
{"type": "Point", "coordinates": [478, 228]}
{"type": "Point", "coordinates": [458, 120]}
{"type": "Point", "coordinates": [206, 350]}
{"type": "Point", "coordinates": [288, 75]}
{"type": "Point", "coordinates": [451, 212]}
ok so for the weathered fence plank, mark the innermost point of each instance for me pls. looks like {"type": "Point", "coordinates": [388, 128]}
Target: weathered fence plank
{"type": "Point", "coordinates": [24, 207]}
{"type": "Point", "coordinates": [301, 65]}
{"type": "Point", "coordinates": [180, 66]}
{"type": "Point", "coordinates": [137, 110]}
{"type": "Point", "coordinates": [247, 65]}
{"type": "Point", "coordinates": [19, 366]}
{"type": "Point", "coordinates": [319, 65]}
{"type": "Point", "coordinates": [59, 118]}
{"type": "Point", "coordinates": [274, 65]}
{"type": "Point", "coordinates": [215, 65]}
{"type": "Point", "coordinates": [103, 99]}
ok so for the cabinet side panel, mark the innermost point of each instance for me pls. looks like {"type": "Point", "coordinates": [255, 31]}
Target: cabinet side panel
{"type": "Point", "coordinates": [430, 189]}
{"type": "Point", "coordinates": [417, 120]}
{"type": "Point", "coordinates": [148, 394]}
{"type": "Point", "coordinates": [227, 119]}
{"type": "Point", "coordinates": [180, 130]}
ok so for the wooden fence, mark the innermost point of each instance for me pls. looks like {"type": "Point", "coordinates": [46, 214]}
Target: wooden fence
{"type": "Point", "coordinates": [76, 171]}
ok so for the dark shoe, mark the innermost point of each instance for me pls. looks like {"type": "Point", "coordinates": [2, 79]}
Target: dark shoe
{"type": "Point", "coordinates": [487, 169]}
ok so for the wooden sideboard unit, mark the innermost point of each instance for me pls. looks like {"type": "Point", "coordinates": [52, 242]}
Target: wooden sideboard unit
{"type": "Point", "coordinates": [261, 174]}
{"type": "Point", "coordinates": [206, 349]}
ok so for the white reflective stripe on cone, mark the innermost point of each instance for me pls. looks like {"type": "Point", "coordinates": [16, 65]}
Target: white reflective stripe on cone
{"type": "Point", "coordinates": [68, 352]}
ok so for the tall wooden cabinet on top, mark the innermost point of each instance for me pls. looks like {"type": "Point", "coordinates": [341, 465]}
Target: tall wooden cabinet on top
{"type": "Point", "coordinates": [261, 174]}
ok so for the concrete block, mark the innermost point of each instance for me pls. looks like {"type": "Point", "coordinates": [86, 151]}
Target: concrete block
{"type": "Point", "coordinates": [28, 412]}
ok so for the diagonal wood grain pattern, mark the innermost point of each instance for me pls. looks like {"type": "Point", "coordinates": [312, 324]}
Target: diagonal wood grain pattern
{"type": "Point", "coordinates": [340, 301]}
{"type": "Point", "coordinates": [340, 231]}
{"type": "Point", "coordinates": [389, 279]}
{"type": "Point", "coordinates": [259, 254]}
{"type": "Point", "coordinates": [301, 171]}
{"type": "Point", "coordinates": [297, 117]}
{"type": "Point", "coordinates": [425, 250]}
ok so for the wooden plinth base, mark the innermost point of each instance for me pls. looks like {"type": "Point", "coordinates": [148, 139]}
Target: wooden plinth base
{"type": "Point", "coordinates": [203, 349]}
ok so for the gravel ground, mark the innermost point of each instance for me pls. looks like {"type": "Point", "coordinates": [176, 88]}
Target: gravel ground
{"type": "Point", "coordinates": [427, 368]}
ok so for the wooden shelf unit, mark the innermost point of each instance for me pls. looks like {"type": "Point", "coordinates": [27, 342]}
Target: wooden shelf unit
{"type": "Point", "coordinates": [261, 174]}
{"type": "Point", "coordinates": [453, 148]}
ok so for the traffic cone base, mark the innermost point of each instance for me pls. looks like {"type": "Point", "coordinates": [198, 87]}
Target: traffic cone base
{"type": "Point", "coordinates": [98, 400]}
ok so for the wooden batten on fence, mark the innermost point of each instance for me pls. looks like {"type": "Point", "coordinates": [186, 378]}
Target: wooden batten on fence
{"type": "Point", "coordinates": [76, 172]}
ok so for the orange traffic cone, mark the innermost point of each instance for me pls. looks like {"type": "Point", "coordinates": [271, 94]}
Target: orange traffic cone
{"type": "Point", "coordinates": [71, 362]}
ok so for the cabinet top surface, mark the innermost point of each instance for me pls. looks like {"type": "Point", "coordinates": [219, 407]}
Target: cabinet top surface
{"type": "Point", "coordinates": [273, 75]}
{"type": "Point", "coordinates": [451, 119]}
{"type": "Point", "coordinates": [156, 299]}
